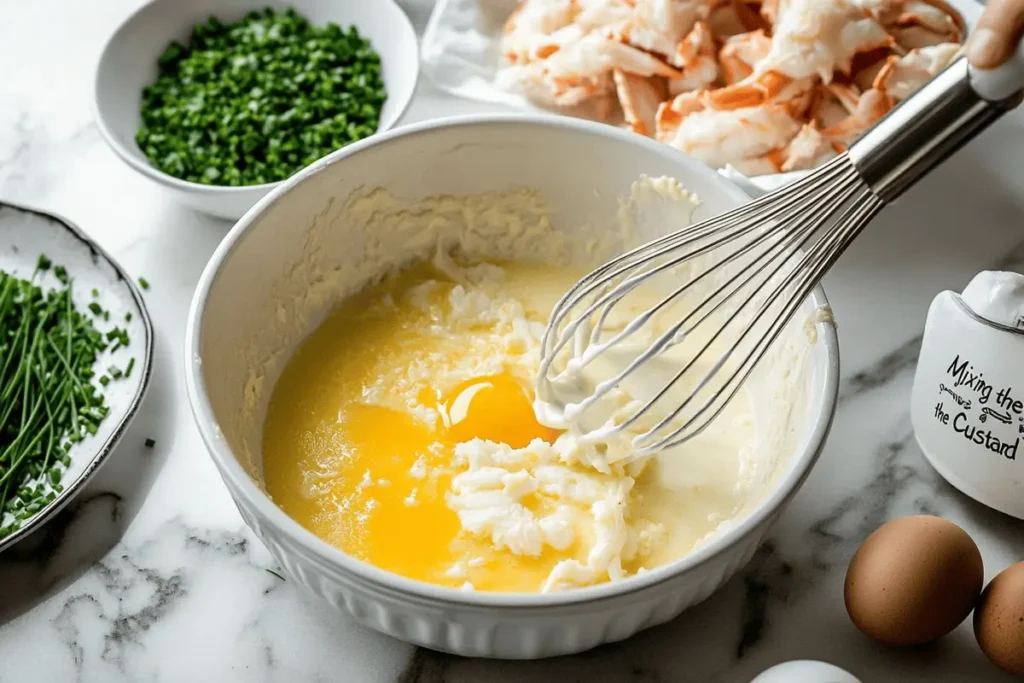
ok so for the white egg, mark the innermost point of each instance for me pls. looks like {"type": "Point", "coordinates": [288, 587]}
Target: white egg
{"type": "Point", "coordinates": [805, 671]}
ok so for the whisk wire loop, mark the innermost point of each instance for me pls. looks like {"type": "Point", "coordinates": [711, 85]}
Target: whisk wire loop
{"type": "Point", "coordinates": [798, 236]}
{"type": "Point", "coordinates": [600, 284]}
{"type": "Point", "coordinates": [745, 264]}
{"type": "Point", "coordinates": [827, 253]}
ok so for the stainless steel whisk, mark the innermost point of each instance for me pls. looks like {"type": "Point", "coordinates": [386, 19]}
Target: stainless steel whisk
{"type": "Point", "coordinates": [760, 262]}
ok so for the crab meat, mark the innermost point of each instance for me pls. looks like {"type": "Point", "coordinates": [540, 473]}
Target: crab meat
{"type": "Point", "coordinates": [695, 56]}
{"type": "Point", "coordinates": [735, 17]}
{"type": "Point", "coordinates": [826, 110]}
{"type": "Point", "coordinates": [659, 26]}
{"type": "Point", "coordinates": [581, 70]}
{"type": "Point", "coordinates": [639, 98]}
{"type": "Point", "coordinates": [539, 28]}
{"type": "Point", "coordinates": [596, 14]}
{"type": "Point", "coordinates": [538, 85]}
{"type": "Point", "coordinates": [807, 150]}
{"type": "Point", "coordinates": [867, 66]}
{"type": "Point", "coordinates": [531, 25]}
{"type": "Point", "coordinates": [719, 137]}
{"type": "Point", "coordinates": [898, 78]}
{"type": "Point", "coordinates": [848, 96]}
{"type": "Point", "coordinates": [594, 55]}
{"type": "Point", "coordinates": [922, 23]}
{"type": "Point", "coordinates": [867, 109]}
{"type": "Point", "coordinates": [540, 16]}
{"type": "Point", "coordinates": [766, 164]}
{"type": "Point", "coordinates": [757, 89]}
{"type": "Point", "coordinates": [813, 39]}
{"type": "Point", "coordinates": [818, 38]}
{"type": "Point", "coordinates": [741, 53]}
{"type": "Point", "coordinates": [902, 76]}
{"type": "Point", "coordinates": [699, 75]}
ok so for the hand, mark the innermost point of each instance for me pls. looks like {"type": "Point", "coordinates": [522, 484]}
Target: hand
{"type": "Point", "coordinates": [997, 34]}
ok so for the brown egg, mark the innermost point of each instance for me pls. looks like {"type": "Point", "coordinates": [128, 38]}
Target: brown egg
{"type": "Point", "coordinates": [999, 620]}
{"type": "Point", "coordinates": [913, 580]}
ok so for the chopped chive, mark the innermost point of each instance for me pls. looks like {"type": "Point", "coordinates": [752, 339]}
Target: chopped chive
{"type": "Point", "coordinates": [48, 403]}
{"type": "Point", "coordinates": [275, 92]}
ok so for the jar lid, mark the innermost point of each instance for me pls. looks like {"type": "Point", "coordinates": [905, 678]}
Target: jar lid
{"type": "Point", "coordinates": [997, 297]}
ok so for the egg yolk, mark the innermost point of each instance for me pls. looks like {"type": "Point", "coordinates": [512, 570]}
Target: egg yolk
{"type": "Point", "coordinates": [494, 408]}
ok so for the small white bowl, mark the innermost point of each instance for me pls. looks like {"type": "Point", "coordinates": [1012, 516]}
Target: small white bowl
{"type": "Point", "coordinates": [129, 63]}
{"type": "Point", "coordinates": [279, 271]}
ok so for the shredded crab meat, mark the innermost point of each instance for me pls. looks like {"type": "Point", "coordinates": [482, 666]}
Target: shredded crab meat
{"type": "Point", "coordinates": [906, 74]}
{"type": "Point", "coordinates": [819, 38]}
{"type": "Point", "coordinates": [719, 137]}
{"type": "Point", "coordinates": [808, 149]}
{"type": "Point", "coordinates": [640, 98]}
{"type": "Point", "coordinates": [741, 52]}
{"type": "Point", "coordinates": [594, 55]}
{"type": "Point", "coordinates": [695, 56]}
{"type": "Point", "coordinates": [531, 25]}
{"type": "Point", "coordinates": [766, 86]}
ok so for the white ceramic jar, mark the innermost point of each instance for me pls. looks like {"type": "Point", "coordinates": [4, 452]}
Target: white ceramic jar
{"type": "Point", "coordinates": [967, 406]}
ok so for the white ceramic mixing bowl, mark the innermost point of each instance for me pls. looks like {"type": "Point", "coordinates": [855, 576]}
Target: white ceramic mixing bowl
{"type": "Point", "coordinates": [269, 284]}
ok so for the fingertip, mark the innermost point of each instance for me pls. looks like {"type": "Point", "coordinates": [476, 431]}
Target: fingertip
{"type": "Point", "coordinates": [986, 49]}
{"type": "Point", "coordinates": [996, 36]}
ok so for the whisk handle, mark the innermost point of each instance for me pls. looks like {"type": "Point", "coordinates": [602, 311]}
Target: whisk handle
{"type": "Point", "coordinates": [928, 127]}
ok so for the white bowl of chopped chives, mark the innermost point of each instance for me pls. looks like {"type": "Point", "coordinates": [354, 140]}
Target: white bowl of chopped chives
{"type": "Point", "coordinates": [220, 100]}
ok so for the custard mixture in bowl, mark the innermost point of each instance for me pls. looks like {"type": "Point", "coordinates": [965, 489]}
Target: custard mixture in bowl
{"type": "Point", "coordinates": [364, 350]}
{"type": "Point", "coordinates": [403, 432]}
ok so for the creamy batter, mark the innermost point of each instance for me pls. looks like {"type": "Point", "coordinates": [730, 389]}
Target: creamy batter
{"type": "Point", "coordinates": [402, 431]}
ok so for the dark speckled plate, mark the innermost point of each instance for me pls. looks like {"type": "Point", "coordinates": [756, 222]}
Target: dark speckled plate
{"type": "Point", "coordinates": [24, 235]}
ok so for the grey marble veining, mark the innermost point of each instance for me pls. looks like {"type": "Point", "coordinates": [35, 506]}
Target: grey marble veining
{"type": "Point", "coordinates": [152, 576]}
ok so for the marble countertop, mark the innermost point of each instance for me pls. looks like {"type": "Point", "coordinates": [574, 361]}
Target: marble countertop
{"type": "Point", "coordinates": [152, 576]}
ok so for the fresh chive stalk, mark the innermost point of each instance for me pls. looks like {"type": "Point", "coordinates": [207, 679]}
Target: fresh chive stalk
{"type": "Point", "coordinates": [48, 401]}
